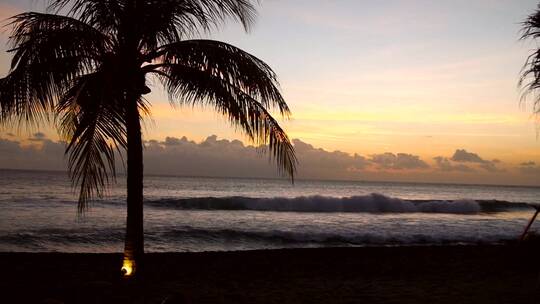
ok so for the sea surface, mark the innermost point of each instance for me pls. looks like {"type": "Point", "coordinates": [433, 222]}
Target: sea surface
{"type": "Point", "coordinates": [38, 213]}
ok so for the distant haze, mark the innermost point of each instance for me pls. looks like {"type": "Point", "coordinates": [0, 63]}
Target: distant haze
{"type": "Point", "coordinates": [232, 158]}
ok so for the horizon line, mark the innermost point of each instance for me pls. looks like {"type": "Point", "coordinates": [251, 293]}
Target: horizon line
{"type": "Point", "coordinates": [301, 179]}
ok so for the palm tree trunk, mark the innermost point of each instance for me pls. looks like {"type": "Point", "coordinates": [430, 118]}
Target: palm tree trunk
{"type": "Point", "coordinates": [134, 242]}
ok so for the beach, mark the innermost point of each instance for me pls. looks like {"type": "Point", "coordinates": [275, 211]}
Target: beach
{"type": "Point", "coordinates": [414, 274]}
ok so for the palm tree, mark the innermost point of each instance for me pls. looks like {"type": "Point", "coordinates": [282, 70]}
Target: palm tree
{"type": "Point", "coordinates": [85, 65]}
{"type": "Point", "coordinates": [530, 73]}
{"type": "Point", "coordinates": [530, 80]}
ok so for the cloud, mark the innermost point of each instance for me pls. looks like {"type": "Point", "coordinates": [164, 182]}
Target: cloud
{"type": "Point", "coordinates": [462, 156]}
{"type": "Point", "coordinates": [173, 141]}
{"type": "Point", "coordinates": [39, 136]}
{"type": "Point", "coordinates": [232, 158]}
{"type": "Point", "coordinates": [8, 146]}
{"type": "Point", "coordinates": [48, 155]}
{"type": "Point", "coordinates": [529, 168]}
{"type": "Point", "coordinates": [490, 166]}
{"type": "Point", "coordinates": [318, 163]}
{"type": "Point", "coordinates": [400, 161]}
{"type": "Point", "coordinates": [221, 157]}
{"type": "Point", "coordinates": [181, 156]}
{"type": "Point", "coordinates": [444, 164]}
{"type": "Point", "coordinates": [211, 157]}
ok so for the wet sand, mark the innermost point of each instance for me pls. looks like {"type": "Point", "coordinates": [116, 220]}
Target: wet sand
{"type": "Point", "coordinates": [443, 274]}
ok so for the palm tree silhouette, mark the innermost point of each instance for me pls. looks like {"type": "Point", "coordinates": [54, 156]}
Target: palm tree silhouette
{"type": "Point", "coordinates": [530, 73]}
{"type": "Point", "coordinates": [85, 64]}
{"type": "Point", "coordinates": [530, 81]}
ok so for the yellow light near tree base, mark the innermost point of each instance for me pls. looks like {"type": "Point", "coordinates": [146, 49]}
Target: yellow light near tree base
{"type": "Point", "coordinates": [128, 267]}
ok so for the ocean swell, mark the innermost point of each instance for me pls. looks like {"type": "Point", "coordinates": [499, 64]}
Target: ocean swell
{"type": "Point", "coordinates": [372, 203]}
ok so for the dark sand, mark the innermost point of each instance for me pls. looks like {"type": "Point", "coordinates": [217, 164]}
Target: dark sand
{"type": "Point", "coordinates": [446, 274]}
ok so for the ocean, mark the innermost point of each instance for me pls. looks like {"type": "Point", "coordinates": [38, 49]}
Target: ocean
{"type": "Point", "coordinates": [38, 213]}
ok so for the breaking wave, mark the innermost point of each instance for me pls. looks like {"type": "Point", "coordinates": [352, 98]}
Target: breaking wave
{"type": "Point", "coordinates": [372, 203]}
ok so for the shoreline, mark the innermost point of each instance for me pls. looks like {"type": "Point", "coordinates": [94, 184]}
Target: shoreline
{"type": "Point", "coordinates": [402, 274]}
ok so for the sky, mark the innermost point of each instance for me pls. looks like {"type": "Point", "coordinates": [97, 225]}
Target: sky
{"type": "Point", "coordinates": [380, 90]}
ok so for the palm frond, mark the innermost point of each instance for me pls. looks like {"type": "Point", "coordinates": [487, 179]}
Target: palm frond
{"type": "Point", "coordinates": [166, 21]}
{"type": "Point", "coordinates": [189, 85]}
{"type": "Point", "coordinates": [103, 15]}
{"type": "Point", "coordinates": [50, 51]}
{"type": "Point", "coordinates": [229, 63]}
{"type": "Point", "coordinates": [156, 22]}
{"type": "Point", "coordinates": [93, 123]}
{"type": "Point", "coordinates": [529, 80]}
{"type": "Point", "coordinates": [530, 28]}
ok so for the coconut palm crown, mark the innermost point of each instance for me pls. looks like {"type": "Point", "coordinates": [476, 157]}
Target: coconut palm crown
{"type": "Point", "coordinates": [86, 65]}
{"type": "Point", "coordinates": [530, 73]}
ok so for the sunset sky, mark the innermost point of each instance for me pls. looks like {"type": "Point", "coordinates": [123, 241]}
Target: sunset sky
{"type": "Point", "coordinates": [433, 80]}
